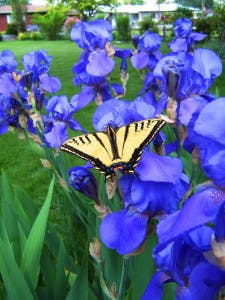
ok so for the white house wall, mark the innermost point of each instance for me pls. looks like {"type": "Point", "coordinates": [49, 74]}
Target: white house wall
{"type": "Point", "coordinates": [137, 13]}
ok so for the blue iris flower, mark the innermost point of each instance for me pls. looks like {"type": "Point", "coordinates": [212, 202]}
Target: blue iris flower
{"type": "Point", "coordinates": [60, 116]}
{"type": "Point", "coordinates": [82, 180]}
{"type": "Point", "coordinates": [3, 116]}
{"type": "Point", "coordinates": [82, 99]}
{"type": "Point", "coordinates": [135, 40]}
{"type": "Point", "coordinates": [201, 208]}
{"type": "Point", "coordinates": [184, 261]}
{"type": "Point", "coordinates": [37, 65]}
{"type": "Point", "coordinates": [170, 70]}
{"type": "Point", "coordinates": [152, 193]}
{"type": "Point", "coordinates": [8, 86]}
{"type": "Point", "coordinates": [38, 62]}
{"type": "Point", "coordinates": [112, 112]}
{"type": "Point", "coordinates": [153, 190]}
{"type": "Point", "coordinates": [183, 75]}
{"type": "Point", "coordinates": [34, 81]}
{"type": "Point", "coordinates": [185, 39]}
{"type": "Point", "coordinates": [81, 74]}
{"type": "Point", "coordinates": [8, 63]}
{"type": "Point", "coordinates": [203, 211]}
{"type": "Point", "coordinates": [208, 135]}
{"type": "Point", "coordinates": [92, 35]}
{"type": "Point", "coordinates": [124, 230]}
{"type": "Point", "coordinates": [99, 63]}
{"type": "Point", "coordinates": [148, 53]}
{"type": "Point", "coordinates": [122, 112]}
{"type": "Point", "coordinates": [123, 54]}
{"type": "Point", "coordinates": [190, 252]}
{"type": "Point", "coordinates": [96, 61]}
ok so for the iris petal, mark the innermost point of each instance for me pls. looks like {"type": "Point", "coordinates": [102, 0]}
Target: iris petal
{"type": "Point", "coordinates": [123, 230]}
{"type": "Point", "coordinates": [198, 210]}
{"type": "Point", "coordinates": [100, 64]}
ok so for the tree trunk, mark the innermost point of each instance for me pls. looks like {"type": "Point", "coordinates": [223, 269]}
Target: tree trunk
{"type": "Point", "coordinates": [18, 13]}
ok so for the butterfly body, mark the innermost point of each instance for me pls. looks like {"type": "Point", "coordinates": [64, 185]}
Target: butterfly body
{"type": "Point", "coordinates": [115, 149]}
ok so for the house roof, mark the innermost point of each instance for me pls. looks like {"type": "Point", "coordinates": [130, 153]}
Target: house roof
{"type": "Point", "coordinates": [164, 7]}
{"type": "Point", "coordinates": [7, 9]}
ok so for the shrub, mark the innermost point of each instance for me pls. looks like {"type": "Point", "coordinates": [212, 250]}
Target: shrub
{"type": "Point", "coordinates": [123, 28]}
{"type": "Point", "coordinates": [99, 15]}
{"type": "Point", "coordinates": [216, 46]}
{"type": "Point", "coordinates": [115, 35]}
{"type": "Point", "coordinates": [181, 13]}
{"type": "Point", "coordinates": [35, 36]}
{"type": "Point", "coordinates": [51, 23]}
{"type": "Point", "coordinates": [217, 20]}
{"type": "Point", "coordinates": [148, 24]}
{"type": "Point", "coordinates": [23, 36]}
{"type": "Point", "coordinates": [204, 25]}
{"type": "Point", "coordinates": [11, 29]}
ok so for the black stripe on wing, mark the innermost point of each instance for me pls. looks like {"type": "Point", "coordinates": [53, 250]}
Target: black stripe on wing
{"type": "Point", "coordinates": [125, 137]}
{"type": "Point", "coordinates": [94, 161]}
{"type": "Point", "coordinates": [111, 133]}
{"type": "Point", "coordinates": [138, 151]}
{"type": "Point", "coordinates": [153, 132]}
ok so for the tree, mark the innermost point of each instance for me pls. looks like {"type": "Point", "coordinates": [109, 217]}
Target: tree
{"type": "Point", "coordinates": [197, 3]}
{"type": "Point", "coordinates": [18, 11]}
{"type": "Point", "coordinates": [218, 21]}
{"type": "Point", "coordinates": [51, 23]}
{"type": "Point", "coordinates": [181, 12]}
{"type": "Point", "coordinates": [147, 24]}
{"type": "Point", "coordinates": [86, 8]}
{"type": "Point", "coordinates": [123, 28]}
{"type": "Point", "coordinates": [5, 2]}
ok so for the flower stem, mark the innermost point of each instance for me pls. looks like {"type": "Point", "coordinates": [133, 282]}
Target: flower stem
{"type": "Point", "coordinates": [123, 277]}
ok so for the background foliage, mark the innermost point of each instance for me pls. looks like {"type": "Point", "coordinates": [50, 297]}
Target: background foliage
{"type": "Point", "coordinates": [148, 24]}
{"type": "Point", "coordinates": [196, 3]}
{"type": "Point", "coordinates": [51, 23]}
{"type": "Point", "coordinates": [123, 28]}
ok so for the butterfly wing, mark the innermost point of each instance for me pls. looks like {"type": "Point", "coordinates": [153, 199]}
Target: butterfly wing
{"type": "Point", "coordinates": [94, 147]}
{"type": "Point", "coordinates": [133, 138]}
{"type": "Point", "coordinates": [110, 150]}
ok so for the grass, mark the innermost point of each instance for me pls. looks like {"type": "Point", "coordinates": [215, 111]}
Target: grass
{"type": "Point", "coordinates": [16, 158]}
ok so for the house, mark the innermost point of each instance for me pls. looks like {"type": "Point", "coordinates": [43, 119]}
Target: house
{"type": "Point", "coordinates": [137, 12]}
{"type": "Point", "coordinates": [6, 14]}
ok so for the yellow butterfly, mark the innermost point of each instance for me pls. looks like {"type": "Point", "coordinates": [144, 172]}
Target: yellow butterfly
{"type": "Point", "coordinates": [114, 149]}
